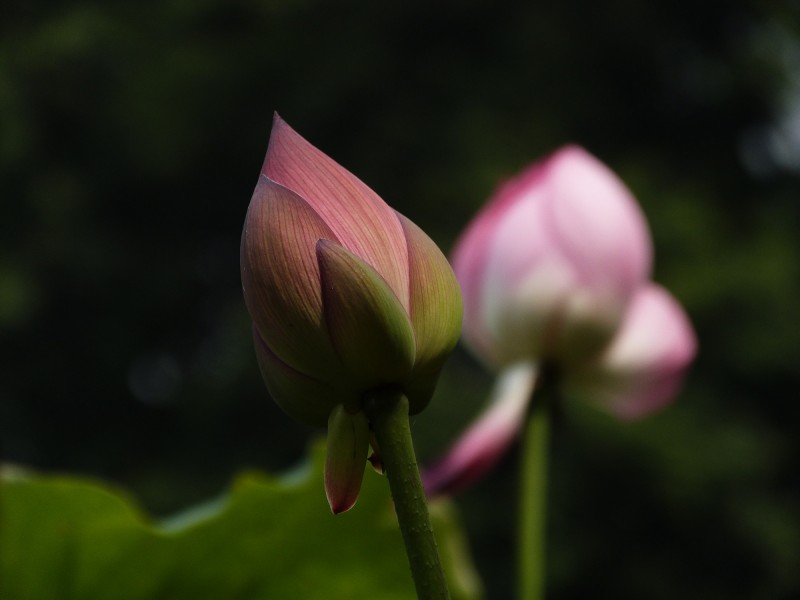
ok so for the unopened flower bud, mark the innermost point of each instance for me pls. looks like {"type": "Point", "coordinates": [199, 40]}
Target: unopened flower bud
{"type": "Point", "coordinates": [347, 297]}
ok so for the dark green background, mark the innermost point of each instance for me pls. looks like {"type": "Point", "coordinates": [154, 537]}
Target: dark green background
{"type": "Point", "coordinates": [131, 137]}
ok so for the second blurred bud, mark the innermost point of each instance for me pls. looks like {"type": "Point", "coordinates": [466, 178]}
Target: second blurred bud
{"type": "Point", "coordinates": [550, 265]}
{"type": "Point", "coordinates": [554, 271]}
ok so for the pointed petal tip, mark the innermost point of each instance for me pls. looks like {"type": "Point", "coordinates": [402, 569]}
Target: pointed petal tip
{"type": "Point", "coordinates": [324, 246]}
{"type": "Point", "coordinates": [339, 506]}
{"type": "Point", "coordinates": [360, 219]}
{"type": "Point", "coordinates": [278, 121]}
{"type": "Point", "coordinates": [377, 463]}
{"type": "Point", "coordinates": [280, 132]}
{"type": "Point", "coordinates": [343, 495]}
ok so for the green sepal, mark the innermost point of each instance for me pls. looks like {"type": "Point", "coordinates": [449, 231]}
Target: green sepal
{"type": "Point", "coordinates": [367, 324]}
{"type": "Point", "coordinates": [345, 461]}
{"type": "Point", "coordinates": [435, 311]}
{"type": "Point", "coordinates": [300, 396]}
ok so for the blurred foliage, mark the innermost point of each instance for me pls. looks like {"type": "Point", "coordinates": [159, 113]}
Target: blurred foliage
{"type": "Point", "coordinates": [130, 139]}
{"type": "Point", "coordinates": [264, 539]}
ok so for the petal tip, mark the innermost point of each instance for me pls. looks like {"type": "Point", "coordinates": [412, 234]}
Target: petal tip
{"type": "Point", "coordinates": [278, 123]}
{"type": "Point", "coordinates": [339, 506]}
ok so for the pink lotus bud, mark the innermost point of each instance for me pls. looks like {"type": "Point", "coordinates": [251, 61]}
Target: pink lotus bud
{"type": "Point", "coordinates": [554, 271]}
{"type": "Point", "coordinates": [347, 296]}
{"type": "Point", "coordinates": [643, 367]}
{"type": "Point", "coordinates": [549, 267]}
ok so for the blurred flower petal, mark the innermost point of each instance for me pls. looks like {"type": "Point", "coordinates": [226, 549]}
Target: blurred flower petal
{"type": "Point", "coordinates": [549, 267]}
{"type": "Point", "coordinates": [490, 435]}
{"type": "Point", "coordinates": [597, 222]}
{"type": "Point", "coordinates": [643, 368]}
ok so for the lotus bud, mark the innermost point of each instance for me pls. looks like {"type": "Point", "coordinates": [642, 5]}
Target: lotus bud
{"type": "Point", "coordinates": [549, 267]}
{"type": "Point", "coordinates": [347, 297]}
{"type": "Point", "coordinates": [554, 273]}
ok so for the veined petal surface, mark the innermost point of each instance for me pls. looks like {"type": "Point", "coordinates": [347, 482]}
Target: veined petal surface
{"type": "Point", "coordinates": [435, 311]}
{"type": "Point", "coordinates": [362, 222]}
{"type": "Point", "coordinates": [280, 277]}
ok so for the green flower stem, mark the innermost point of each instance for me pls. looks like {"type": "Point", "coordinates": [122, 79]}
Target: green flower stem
{"type": "Point", "coordinates": [388, 413]}
{"type": "Point", "coordinates": [533, 502]}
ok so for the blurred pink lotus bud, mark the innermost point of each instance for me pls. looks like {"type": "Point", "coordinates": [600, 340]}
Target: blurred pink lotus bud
{"type": "Point", "coordinates": [347, 296]}
{"type": "Point", "coordinates": [643, 367]}
{"type": "Point", "coordinates": [549, 267]}
{"type": "Point", "coordinates": [553, 272]}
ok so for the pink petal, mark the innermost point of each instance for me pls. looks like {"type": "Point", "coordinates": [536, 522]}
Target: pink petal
{"type": "Point", "coordinates": [548, 269]}
{"type": "Point", "coordinates": [280, 277]}
{"type": "Point", "coordinates": [362, 222]}
{"type": "Point", "coordinates": [596, 221]}
{"type": "Point", "coordinates": [470, 258]}
{"type": "Point", "coordinates": [644, 367]}
{"type": "Point", "coordinates": [598, 227]}
{"type": "Point", "coordinates": [490, 435]}
{"type": "Point", "coordinates": [526, 281]}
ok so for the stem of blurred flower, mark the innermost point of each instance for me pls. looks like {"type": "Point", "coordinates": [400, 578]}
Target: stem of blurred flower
{"type": "Point", "coordinates": [388, 414]}
{"type": "Point", "coordinates": [533, 499]}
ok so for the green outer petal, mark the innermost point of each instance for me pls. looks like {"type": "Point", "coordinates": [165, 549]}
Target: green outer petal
{"type": "Point", "coordinates": [280, 277]}
{"type": "Point", "coordinates": [300, 396]}
{"type": "Point", "coordinates": [436, 312]}
{"type": "Point", "coordinates": [366, 322]}
{"type": "Point", "coordinates": [346, 458]}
